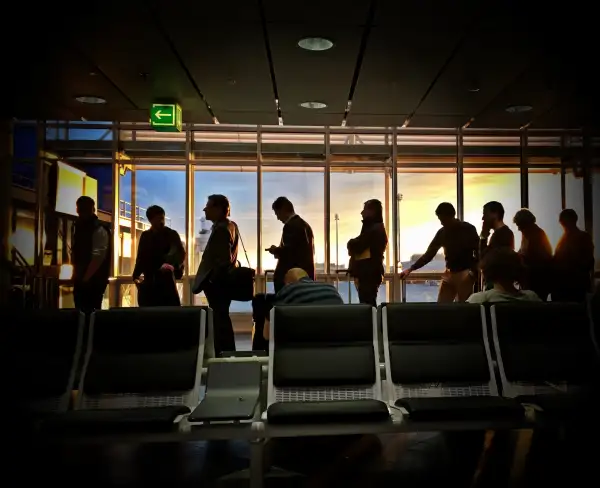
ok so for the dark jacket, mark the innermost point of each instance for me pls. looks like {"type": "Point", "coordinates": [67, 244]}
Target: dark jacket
{"type": "Point", "coordinates": [297, 250]}
{"type": "Point", "coordinates": [373, 238]}
{"type": "Point", "coordinates": [574, 260]}
{"type": "Point", "coordinates": [219, 255]}
{"type": "Point", "coordinates": [81, 250]}
{"type": "Point", "coordinates": [156, 248]}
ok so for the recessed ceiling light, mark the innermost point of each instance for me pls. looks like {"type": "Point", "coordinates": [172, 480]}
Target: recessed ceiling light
{"type": "Point", "coordinates": [91, 99]}
{"type": "Point", "coordinates": [519, 109]}
{"type": "Point", "coordinates": [315, 44]}
{"type": "Point", "coordinates": [315, 105]}
{"type": "Point", "coordinates": [474, 89]}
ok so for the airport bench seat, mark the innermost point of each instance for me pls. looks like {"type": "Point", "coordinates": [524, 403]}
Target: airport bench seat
{"type": "Point", "coordinates": [106, 421]}
{"type": "Point", "coordinates": [324, 366]}
{"type": "Point", "coordinates": [461, 408]}
{"type": "Point", "coordinates": [335, 411]}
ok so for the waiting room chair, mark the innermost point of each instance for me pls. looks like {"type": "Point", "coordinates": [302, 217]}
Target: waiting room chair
{"type": "Point", "coordinates": [438, 364]}
{"type": "Point", "coordinates": [324, 365]}
{"type": "Point", "coordinates": [546, 355]}
{"type": "Point", "coordinates": [44, 347]}
{"type": "Point", "coordinates": [142, 369]}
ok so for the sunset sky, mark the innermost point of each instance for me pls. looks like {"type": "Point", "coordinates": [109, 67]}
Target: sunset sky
{"type": "Point", "coordinates": [422, 192]}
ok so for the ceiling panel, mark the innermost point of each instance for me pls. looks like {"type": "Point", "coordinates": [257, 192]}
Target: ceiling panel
{"type": "Point", "coordinates": [317, 13]}
{"type": "Point", "coordinates": [312, 117]}
{"type": "Point", "coordinates": [249, 117]}
{"type": "Point", "coordinates": [487, 62]}
{"type": "Point", "coordinates": [323, 76]}
{"type": "Point", "coordinates": [125, 43]}
{"type": "Point", "coordinates": [356, 119]}
{"type": "Point", "coordinates": [437, 121]}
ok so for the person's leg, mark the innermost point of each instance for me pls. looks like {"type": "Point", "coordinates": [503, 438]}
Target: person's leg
{"type": "Point", "coordinates": [367, 292]}
{"type": "Point", "coordinates": [464, 286]}
{"type": "Point", "coordinates": [259, 314]}
{"type": "Point", "coordinates": [98, 296]}
{"type": "Point", "coordinates": [223, 328]}
{"type": "Point", "coordinates": [448, 291]}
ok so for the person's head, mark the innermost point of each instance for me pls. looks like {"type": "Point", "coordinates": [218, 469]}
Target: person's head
{"type": "Point", "coordinates": [372, 210]}
{"type": "Point", "coordinates": [446, 213]}
{"type": "Point", "coordinates": [294, 275]}
{"type": "Point", "coordinates": [156, 216]}
{"type": "Point", "coordinates": [217, 208]}
{"type": "Point", "coordinates": [568, 219]}
{"type": "Point", "coordinates": [86, 207]}
{"type": "Point", "coordinates": [502, 266]}
{"type": "Point", "coordinates": [524, 219]}
{"type": "Point", "coordinates": [283, 209]}
{"type": "Point", "coordinates": [493, 214]}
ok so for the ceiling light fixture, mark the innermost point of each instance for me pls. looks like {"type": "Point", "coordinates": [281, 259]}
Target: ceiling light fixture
{"type": "Point", "coordinates": [313, 105]}
{"type": "Point", "coordinates": [315, 44]}
{"type": "Point", "coordinates": [91, 99]}
{"type": "Point", "coordinates": [519, 109]}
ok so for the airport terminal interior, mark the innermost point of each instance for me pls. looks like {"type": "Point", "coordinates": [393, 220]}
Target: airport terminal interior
{"type": "Point", "coordinates": [331, 105]}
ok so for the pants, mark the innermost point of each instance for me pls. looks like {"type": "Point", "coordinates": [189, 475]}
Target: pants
{"type": "Point", "coordinates": [368, 289]}
{"type": "Point", "coordinates": [261, 308]}
{"type": "Point", "coordinates": [88, 296]}
{"type": "Point", "coordinates": [456, 286]}
{"type": "Point", "coordinates": [159, 291]}
{"type": "Point", "coordinates": [223, 328]}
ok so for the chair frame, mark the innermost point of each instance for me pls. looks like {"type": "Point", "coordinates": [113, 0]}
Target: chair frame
{"type": "Point", "coordinates": [189, 398]}
{"type": "Point", "coordinates": [374, 392]}
{"type": "Point", "coordinates": [395, 392]}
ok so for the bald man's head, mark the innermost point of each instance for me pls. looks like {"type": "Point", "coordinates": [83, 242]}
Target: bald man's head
{"type": "Point", "coordinates": [294, 275]}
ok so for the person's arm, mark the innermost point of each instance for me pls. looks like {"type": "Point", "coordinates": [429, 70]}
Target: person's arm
{"type": "Point", "coordinates": [99, 250]}
{"type": "Point", "coordinates": [477, 298]}
{"type": "Point", "coordinates": [139, 259]}
{"type": "Point", "coordinates": [431, 252]}
{"type": "Point", "coordinates": [359, 244]}
{"type": "Point", "coordinates": [220, 244]}
{"type": "Point", "coordinates": [292, 239]}
{"type": "Point", "coordinates": [176, 255]}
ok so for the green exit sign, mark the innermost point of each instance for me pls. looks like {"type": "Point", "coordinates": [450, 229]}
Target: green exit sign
{"type": "Point", "coordinates": [165, 117]}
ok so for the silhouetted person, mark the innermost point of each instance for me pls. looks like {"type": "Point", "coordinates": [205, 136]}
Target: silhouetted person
{"type": "Point", "coordinates": [297, 246]}
{"type": "Point", "coordinates": [366, 253]}
{"type": "Point", "coordinates": [503, 269]}
{"type": "Point", "coordinates": [536, 253]}
{"type": "Point", "coordinates": [502, 236]}
{"type": "Point", "coordinates": [160, 259]}
{"type": "Point", "coordinates": [220, 255]}
{"type": "Point", "coordinates": [90, 256]}
{"type": "Point", "coordinates": [461, 246]}
{"type": "Point", "coordinates": [573, 261]}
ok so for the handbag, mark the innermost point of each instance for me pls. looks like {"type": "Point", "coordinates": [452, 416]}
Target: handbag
{"type": "Point", "coordinates": [240, 280]}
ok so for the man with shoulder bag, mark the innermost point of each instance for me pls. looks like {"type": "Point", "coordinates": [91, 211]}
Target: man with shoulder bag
{"type": "Point", "coordinates": [219, 275]}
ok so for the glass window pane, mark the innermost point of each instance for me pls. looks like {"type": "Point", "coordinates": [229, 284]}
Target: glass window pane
{"type": "Point", "coordinates": [421, 194]}
{"type": "Point", "coordinates": [545, 202]}
{"type": "Point", "coordinates": [350, 188]}
{"type": "Point", "coordinates": [124, 251]}
{"type": "Point", "coordinates": [482, 187]}
{"type": "Point", "coordinates": [574, 196]}
{"type": "Point", "coordinates": [241, 190]}
{"type": "Point", "coordinates": [305, 188]}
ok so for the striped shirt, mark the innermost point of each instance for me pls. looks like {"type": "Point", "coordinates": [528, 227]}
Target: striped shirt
{"type": "Point", "coordinates": [308, 292]}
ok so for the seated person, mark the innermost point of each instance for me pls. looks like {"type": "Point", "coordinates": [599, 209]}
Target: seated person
{"type": "Point", "coordinates": [503, 268]}
{"type": "Point", "coordinates": [299, 289]}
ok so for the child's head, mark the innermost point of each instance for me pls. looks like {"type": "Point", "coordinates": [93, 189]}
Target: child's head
{"type": "Point", "coordinates": [502, 266]}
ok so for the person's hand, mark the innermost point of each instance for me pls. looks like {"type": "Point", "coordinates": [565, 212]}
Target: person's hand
{"type": "Point", "coordinates": [138, 280]}
{"type": "Point", "coordinates": [272, 249]}
{"type": "Point", "coordinates": [485, 230]}
{"type": "Point", "coordinates": [167, 267]}
{"type": "Point", "coordinates": [405, 273]}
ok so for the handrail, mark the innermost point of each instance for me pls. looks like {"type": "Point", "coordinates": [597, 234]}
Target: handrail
{"type": "Point", "coordinates": [21, 261]}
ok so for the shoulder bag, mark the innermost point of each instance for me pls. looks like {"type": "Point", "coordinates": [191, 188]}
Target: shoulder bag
{"type": "Point", "coordinates": [241, 279]}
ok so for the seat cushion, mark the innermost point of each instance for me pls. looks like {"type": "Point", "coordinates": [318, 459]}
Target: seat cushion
{"type": "Point", "coordinates": [461, 408]}
{"type": "Point", "coordinates": [558, 403]}
{"type": "Point", "coordinates": [337, 411]}
{"type": "Point", "coordinates": [149, 419]}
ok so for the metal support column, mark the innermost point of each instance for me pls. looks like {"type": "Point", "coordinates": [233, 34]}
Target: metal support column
{"type": "Point", "coordinates": [460, 176]}
{"type": "Point", "coordinates": [259, 246]}
{"type": "Point", "coordinates": [133, 219]}
{"type": "Point", "coordinates": [41, 198]}
{"type": "Point", "coordinates": [386, 209]}
{"type": "Point", "coordinates": [190, 231]}
{"type": "Point", "coordinates": [396, 288]}
{"type": "Point", "coordinates": [114, 288]}
{"type": "Point", "coordinates": [523, 162]}
{"type": "Point", "coordinates": [588, 186]}
{"type": "Point", "coordinates": [6, 165]}
{"type": "Point", "coordinates": [327, 216]}
{"type": "Point", "coordinates": [563, 174]}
